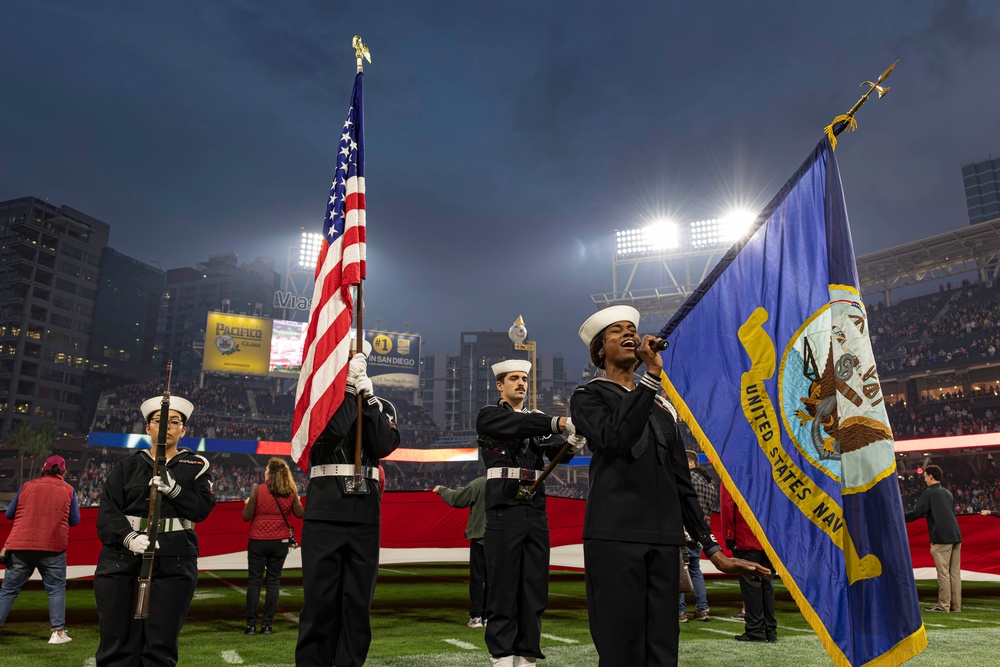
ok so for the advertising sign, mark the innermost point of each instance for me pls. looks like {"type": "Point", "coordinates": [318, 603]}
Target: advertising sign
{"type": "Point", "coordinates": [395, 359]}
{"type": "Point", "coordinates": [287, 341]}
{"type": "Point", "coordinates": [237, 344]}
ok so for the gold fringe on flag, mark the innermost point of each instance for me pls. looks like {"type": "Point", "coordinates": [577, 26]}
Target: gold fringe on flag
{"type": "Point", "coordinates": [852, 125]}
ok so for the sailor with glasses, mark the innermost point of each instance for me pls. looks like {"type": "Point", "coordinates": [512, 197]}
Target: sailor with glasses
{"type": "Point", "coordinates": [185, 486]}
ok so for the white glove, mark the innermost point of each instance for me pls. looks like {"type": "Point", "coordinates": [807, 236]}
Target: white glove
{"type": "Point", "coordinates": [364, 386]}
{"type": "Point", "coordinates": [576, 443]}
{"type": "Point", "coordinates": [570, 426]}
{"type": "Point", "coordinates": [166, 485]}
{"type": "Point", "coordinates": [356, 367]}
{"type": "Point", "coordinates": [137, 543]}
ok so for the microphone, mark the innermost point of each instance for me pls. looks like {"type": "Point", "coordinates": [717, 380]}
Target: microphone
{"type": "Point", "coordinates": [656, 346]}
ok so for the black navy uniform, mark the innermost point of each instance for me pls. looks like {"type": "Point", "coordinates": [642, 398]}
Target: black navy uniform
{"type": "Point", "coordinates": [640, 501]}
{"type": "Point", "coordinates": [125, 503]}
{"type": "Point", "coordinates": [340, 537]}
{"type": "Point", "coordinates": [517, 531]}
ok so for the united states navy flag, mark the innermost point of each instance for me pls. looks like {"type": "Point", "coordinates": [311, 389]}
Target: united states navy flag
{"type": "Point", "coordinates": [785, 399]}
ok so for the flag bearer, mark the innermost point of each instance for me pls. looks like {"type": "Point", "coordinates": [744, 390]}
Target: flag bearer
{"type": "Point", "coordinates": [186, 487]}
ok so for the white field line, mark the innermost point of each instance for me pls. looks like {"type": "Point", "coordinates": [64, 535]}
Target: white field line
{"type": "Point", "coordinates": [227, 583]}
{"type": "Point", "coordinates": [460, 644]}
{"type": "Point", "coordinates": [560, 639]}
{"type": "Point", "coordinates": [935, 625]}
{"type": "Point", "coordinates": [976, 620]}
{"type": "Point", "coordinates": [567, 595]}
{"type": "Point", "coordinates": [231, 658]}
{"type": "Point", "coordinates": [199, 595]}
{"type": "Point", "coordinates": [90, 662]}
{"type": "Point", "coordinates": [785, 627]}
{"type": "Point", "coordinates": [720, 632]}
{"type": "Point", "coordinates": [726, 619]}
{"type": "Point", "coordinates": [965, 606]}
{"type": "Point", "coordinates": [294, 618]}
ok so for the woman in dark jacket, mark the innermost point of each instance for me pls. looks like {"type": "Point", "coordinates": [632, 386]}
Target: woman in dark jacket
{"type": "Point", "coordinates": [267, 509]}
{"type": "Point", "coordinates": [640, 501]}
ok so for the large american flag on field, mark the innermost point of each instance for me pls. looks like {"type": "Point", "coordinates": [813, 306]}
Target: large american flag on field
{"type": "Point", "coordinates": [340, 266]}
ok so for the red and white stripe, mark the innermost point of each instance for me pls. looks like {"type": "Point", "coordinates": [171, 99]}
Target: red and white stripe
{"type": "Point", "coordinates": [323, 377]}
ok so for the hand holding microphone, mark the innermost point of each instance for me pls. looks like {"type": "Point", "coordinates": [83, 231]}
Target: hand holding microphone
{"type": "Point", "coordinates": [648, 352]}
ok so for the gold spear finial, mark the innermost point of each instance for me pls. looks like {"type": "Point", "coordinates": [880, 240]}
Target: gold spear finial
{"type": "Point", "coordinates": [361, 51]}
{"type": "Point", "coordinates": [847, 120]}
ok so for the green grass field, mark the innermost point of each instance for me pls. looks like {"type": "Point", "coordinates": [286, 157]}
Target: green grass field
{"type": "Point", "coordinates": [419, 620]}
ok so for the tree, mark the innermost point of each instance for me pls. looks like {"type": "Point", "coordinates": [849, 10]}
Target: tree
{"type": "Point", "coordinates": [32, 439]}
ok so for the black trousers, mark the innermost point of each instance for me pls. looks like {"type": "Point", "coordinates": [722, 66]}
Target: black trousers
{"type": "Point", "coordinates": [758, 597]}
{"type": "Point", "coordinates": [632, 593]}
{"type": "Point", "coordinates": [477, 579]}
{"type": "Point", "coordinates": [264, 556]}
{"type": "Point", "coordinates": [126, 642]}
{"type": "Point", "coordinates": [339, 568]}
{"type": "Point", "coordinates": [517, 575]}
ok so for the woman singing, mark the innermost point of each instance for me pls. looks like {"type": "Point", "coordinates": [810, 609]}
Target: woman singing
{"type": "Point", "coordinates": [640, 501]}
{"type": "Point", "coordinates": [267, 509]}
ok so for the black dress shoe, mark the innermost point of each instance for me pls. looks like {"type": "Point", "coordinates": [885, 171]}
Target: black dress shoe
{"type": "Point", "coordinates": [250, 630]}
{"type": "Point", "coordinates": [265, 629]}
{"type": "Point", "coordinates": [747, 638]}
{"type": "Point", "coordinates": [772, 639]}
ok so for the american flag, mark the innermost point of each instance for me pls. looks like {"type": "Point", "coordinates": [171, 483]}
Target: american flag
{"type": "Point", "coordinates": [340, 266]}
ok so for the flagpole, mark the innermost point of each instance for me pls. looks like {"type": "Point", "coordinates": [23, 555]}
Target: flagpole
{"type": "Point", "coordinates": [360, 53]}
{"type": "Point", "coordinates": [844, 121]}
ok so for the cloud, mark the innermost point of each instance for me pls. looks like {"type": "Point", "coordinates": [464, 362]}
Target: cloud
{"type": "Point", "coordinates": [957, 32]}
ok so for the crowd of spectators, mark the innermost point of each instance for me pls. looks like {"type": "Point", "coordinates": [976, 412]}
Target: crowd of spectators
{"type": "Point", "coordinates": [973, 493]}
{"type": "Point", "coordinates": [946, 328]}
{"type": "Point", "coordinates": [941, 419]}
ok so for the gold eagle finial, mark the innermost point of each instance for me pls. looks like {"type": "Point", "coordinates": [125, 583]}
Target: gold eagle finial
{"type": "Point", "coordinates": [361, 51]}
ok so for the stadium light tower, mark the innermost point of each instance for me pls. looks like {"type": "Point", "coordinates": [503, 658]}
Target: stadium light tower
{"type": "Point", "coordinates": [684, 253]}
{"type": "Point", "coordinates": [300, 268]}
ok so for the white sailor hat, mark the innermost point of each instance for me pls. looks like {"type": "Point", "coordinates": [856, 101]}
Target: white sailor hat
{"type": "Point", "coordinates": [600, 320]}
{"type": "Point", "coordinates": [511, 365]}
{"type": "Point", "coordinates": [152, 407]}
{"type": "Point", "coordinates": [365, 346]}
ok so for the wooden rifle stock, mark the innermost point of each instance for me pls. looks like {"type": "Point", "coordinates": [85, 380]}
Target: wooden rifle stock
{"type": "Point", "coordinates": [145, 581]}
{"type": "Point", "coordinates": [548, 469]}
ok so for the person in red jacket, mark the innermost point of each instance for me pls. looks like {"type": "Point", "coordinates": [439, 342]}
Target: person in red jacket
{"type": "Point", "coordinates": [758, 592]}
{"type": "Point", "coordinates": [267, 509]}
{"type": "Point", "coordinates": [42, 511]}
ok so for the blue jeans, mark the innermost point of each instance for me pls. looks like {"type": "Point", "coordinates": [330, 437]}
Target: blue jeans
{"type": "Point", "coordinates": [698, 579]}
{"type": "Point", "coordinates": [52, 567]}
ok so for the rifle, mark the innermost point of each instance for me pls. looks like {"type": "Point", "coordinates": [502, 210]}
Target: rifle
{"type": "Point", "coordinates": [153, 518]}
{"type": "Point", "coordinates": [530, 493]}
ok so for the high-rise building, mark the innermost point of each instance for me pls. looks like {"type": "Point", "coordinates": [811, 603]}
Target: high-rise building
{"type": "Point", "coordinates": [219, 284]}
{"type": "Point", "coordinates": [981, 178]}
{"type": "Point", "coordinates": [50, 261]}
{"type": "Point", "coordinates": [128, 303]}
{"type": "Point", "coordinates": [455, 387]}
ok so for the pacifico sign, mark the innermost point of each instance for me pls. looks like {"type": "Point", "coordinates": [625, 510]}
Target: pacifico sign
{"type": "Point", "coordinates": [237, 344]}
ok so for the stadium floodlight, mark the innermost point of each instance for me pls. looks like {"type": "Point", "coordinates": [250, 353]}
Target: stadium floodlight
{"type": "Point", "coordinates": [735, 223]}
{"type": "Point", "coordinates": [721, 231]}
{"type": "Point", "coordinates": [656, 237]}
{"type": "Point", "coordinates": [309, 249]}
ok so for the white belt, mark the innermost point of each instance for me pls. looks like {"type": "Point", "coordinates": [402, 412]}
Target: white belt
{"type": "Point", "coordinates": [525, 474]}
{"type": "Point", "coordinates": [342, 470]}
{"type": "Point", "coordinates": [139, 524]}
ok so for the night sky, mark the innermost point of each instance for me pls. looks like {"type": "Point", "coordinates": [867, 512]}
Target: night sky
{"type": "Point", "coordinates": [505, 141]}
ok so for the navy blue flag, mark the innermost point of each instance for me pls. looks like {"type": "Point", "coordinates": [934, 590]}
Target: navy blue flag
{"type": "Point", "coordinates": [785, 400]}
